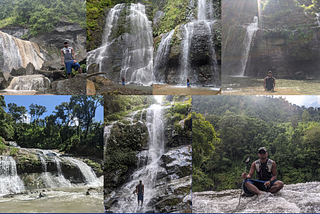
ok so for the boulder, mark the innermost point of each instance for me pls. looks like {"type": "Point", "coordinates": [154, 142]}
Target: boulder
{"type": "Point", "coordinates": [52, 75]}
{"type": "Point", "coordinates": [101, 80]}
{"type": "Point", "coordinates": [73, 86]}
{"type": "Point", "coordinates": [91, 89]}
{"type": "Point", "coordinates": [30, 69]}
{"type": "Point", "coordinates": [93, 68]}
{"type": "Point", "coordinates": [3, 82]}
{"type": "Point", "coordinates": [53, 65]}
{"type": "Point", "coordinates": [18, 71]}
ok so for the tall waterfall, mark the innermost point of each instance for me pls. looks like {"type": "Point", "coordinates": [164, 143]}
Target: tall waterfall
{"type": "Point", "coordinates": [147, 173]}
{"type": "Point", "coordinates": [185, 60]}
{"type": "Point", "coordinates": [130, 53]}
{"type": "Point", "coordinates": [162, 56]}
{"type": "Point", "coordinates": [9, 179]}
{"type": "Point", "coordinates": [18, 53]}
{"type": "Point", "coordinates": [247, 42]}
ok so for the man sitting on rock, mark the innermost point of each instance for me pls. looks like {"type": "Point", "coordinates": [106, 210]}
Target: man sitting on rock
{"type": "Point", "coordinates": [266, 173]}
{"type": "Point", "coordinates": [68, 59]}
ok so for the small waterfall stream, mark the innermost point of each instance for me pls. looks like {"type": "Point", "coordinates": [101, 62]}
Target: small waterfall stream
{"type": "Point", "coordinates": [148, 166]}
{"type": "Point", "coordinates": [18, 53]}
{"type": "Point", "coordinates": [10, 182]}
{"type": "Point", "coordinates": [247, 42]}
{"type": "Point", "coordinates": [136, 43]}
{"type": "Point", "coordinates": [29, 82]}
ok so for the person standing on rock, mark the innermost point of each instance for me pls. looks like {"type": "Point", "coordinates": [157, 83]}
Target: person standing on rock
{"type": "Point", "coordinates": [269, 82]}
{"type": "Point", "coordinates": [266, 176]}
{"type": "Point", "coordinates": [68, 59]}
{"type": "Point", "coordinates": [123, 80]}
{"type": "Point", "coordinates": [188, 82]}
{"type": "Point", "coordinates": [140, 192]}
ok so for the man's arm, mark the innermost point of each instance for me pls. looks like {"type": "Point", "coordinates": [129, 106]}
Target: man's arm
{"type": "Point", "coordinates": [274, 173]}
{"type": "Point", "coordinates": [73, 55]}
{"type": "Point", "coordinates": [264, 83]}
{"type": "Point", "coordinates": [62, 58]}
{"type": "Point", "coordinates": [143, 189]}
{"type": "Point", "coordinates": [274, 82]}
{"type": "Point", "coordinates": [252, 168]}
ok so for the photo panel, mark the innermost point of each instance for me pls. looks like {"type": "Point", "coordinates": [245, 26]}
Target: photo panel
{"type": "Point", "coordinates": [270, 47]}
{"type": "Point", "coordinates": [120, 47]}
{"type": "Point", "coordinates": [51, 154]}
{"type": "Point", "coordinates": [255, 154]}
{"type": "Point", "coordinates": [148, 154]}
{"type": "Point", "coordinates": [187, 47]}
{"type": "Point", "coordinates": [42, 47]}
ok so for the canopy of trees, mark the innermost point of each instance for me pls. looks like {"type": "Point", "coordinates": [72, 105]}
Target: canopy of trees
{"type": "Point", "coordinates": [40, 16]}
{"type": "Point", "coordinates": [70, 128]}
{"type": "Point", "coordinates": [230, 127]}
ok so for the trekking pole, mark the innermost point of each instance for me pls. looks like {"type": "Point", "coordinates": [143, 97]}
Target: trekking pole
{"type": "Point", "coordinates": [245, 170]}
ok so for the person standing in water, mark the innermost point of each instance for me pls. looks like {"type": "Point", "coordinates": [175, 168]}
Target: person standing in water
{"type": "Point", "coordinates": [123, 80]}
{"type": "Point", "coordinates": [140, 192]}
{"type": "Point", "coordinates": [269, 82]}
{"type": "Point", "coordinates": [68, 59]}
{"type": "Point", "coordinates": [188, 82]}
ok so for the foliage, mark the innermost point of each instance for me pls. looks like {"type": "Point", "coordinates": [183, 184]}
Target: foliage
{"type": "Point", "coordinates": [242, 124]}
{"type": "Point", "coordinates": [40, 16]}
{"type": "Point", "coordinates": [71, 128]}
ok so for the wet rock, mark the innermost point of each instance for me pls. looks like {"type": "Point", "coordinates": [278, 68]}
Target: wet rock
{"type": "Point", "coordinates": [93, 68]}
{"type": "Point", "coordinates": [18, 71]}
{"type": "Point", "coordinates": [30, 69]}
{"type": "Point", "coordinates": [3, 82]}
{"type": "Point", "coordinates": [91, 89]}
{"type": "Point", "coordinates": [74, 86]}
{"type": "Point", "coordinates": [178, 162]}
{"type": "Point", "coordinates": [53, 75]}
{"type": "Point", "coordinates": [300, 75]}
{"type": "Point", "coordinates": [157, 17]}
{"type": "Point", "coordinates": [30, 82]}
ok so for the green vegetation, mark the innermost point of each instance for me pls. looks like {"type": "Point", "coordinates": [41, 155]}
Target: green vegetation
{"type": "Point", "coordinates": [227, 128]}
{"type": "Point", "coordinates": [40, 16]}
{"type": "Point", "coordinates": [60, 130]}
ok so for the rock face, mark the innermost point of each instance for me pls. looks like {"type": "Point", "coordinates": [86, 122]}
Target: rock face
{"type": "Point", "coordinates": [91, 90]}
{"type": "Point", "coordinates": [274, 52]}
{"type": "Point", "coordinates": [52, 42]}
{"type": "Point", "coordinates": [74, 86]}
{"type": "Point", "coordinates": [30, 69]}
{"type": "Point", "coordinates": [188, 51]}
{"type": "Point", "coordinates": [52, 75]}
{"type": "Point", "coordinates": [18, 71]}
{"type": "Point", "coordinates": [17, 32]}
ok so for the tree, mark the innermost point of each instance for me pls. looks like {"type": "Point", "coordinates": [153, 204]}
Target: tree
{"type": "Point", "coordinates": [305, 116]}
{"type": "Point", "coordinates": [18, 113]}
{"type": "Point", "coordinates": [36, 111]}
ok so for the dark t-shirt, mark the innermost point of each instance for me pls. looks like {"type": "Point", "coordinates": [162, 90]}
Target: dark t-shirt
{"type": "Point", "coordinates": [269, 83]}
{"type": "Point", "coordinates": [140, 188]}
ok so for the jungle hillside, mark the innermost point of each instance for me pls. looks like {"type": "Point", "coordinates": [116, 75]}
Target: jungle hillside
{"type": "Point", "coordinates": [228, 128]}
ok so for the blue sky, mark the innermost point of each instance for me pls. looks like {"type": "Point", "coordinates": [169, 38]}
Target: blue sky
{"type": "Point", "coordinates": [49, 101]}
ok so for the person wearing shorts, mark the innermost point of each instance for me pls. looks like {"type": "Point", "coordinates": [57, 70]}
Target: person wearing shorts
{"type": "Point", "coordinates": [68, 59]}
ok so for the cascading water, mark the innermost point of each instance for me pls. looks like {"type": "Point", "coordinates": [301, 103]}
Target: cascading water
{"type": "Point", "coordinates": [293, 198]}
{"type": "Point", "coordinates": [10, 182]}
{"type": "Point", "coordinates": [247, 42]}
{"type": "Point", "coordinates": [29, 82]}
{"type": "Point", "coordinates": [192, 32]}
{"type": "Point", "coordinates": [318, 19]}
{"type": "Point", "coordinates": [127, 202]}
{"type": "Point", "coordinates": [162, 56]}
{"type": "Point", "coordinates": [136, 45]}
{"type": "Point", "coordinates": [18, 53]}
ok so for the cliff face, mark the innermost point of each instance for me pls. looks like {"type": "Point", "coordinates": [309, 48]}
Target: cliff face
{"type": "Point", "coordinates": [286, 41]}
{"type": "Point", "coordinates": [286, 58]}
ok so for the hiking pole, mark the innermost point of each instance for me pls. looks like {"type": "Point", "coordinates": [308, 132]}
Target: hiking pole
{"type": "Point", "coordinates": [245, 170]}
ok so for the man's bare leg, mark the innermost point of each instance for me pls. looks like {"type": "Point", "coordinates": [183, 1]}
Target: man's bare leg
{"type": "Point", "coordinates": [80, 70]}
{"type": "Point", "coordinates": [69, 76]}
{"type": "Point", "coordinates": [278, 185]}
{"type": "Point", "coordinates": [252, 188]}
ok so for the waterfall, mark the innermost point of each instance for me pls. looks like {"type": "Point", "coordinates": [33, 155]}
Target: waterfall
{"type": "Point", "coordinates": [247, 42]}
{"type": "Point", "coordinates": [202, 9]}
{"type": "Point", "coordinates": [318, 19]}
{"type": "Point", "coordinates": [10, 182]}
{"type": "Point", "coordinates": [127, 202]}
{"type": "Point", "coordinates": [185, 59]}
{"type": "Point", "coordinates": [134, 45]}
{"type": "Point", "coordinates": [87, 172]}
{"type": "Point", "coordinates": [162, 56]}
{"type": "Point", "coordinates": [29, 82]}
{"type": "Point", "coordinates": [18, 53]}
